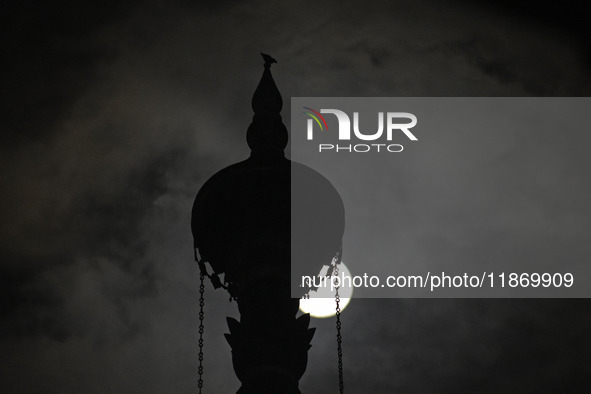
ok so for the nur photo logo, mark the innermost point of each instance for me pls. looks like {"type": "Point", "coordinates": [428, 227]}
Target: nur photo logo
{"type": "Point", "coordinates": [390, 125]}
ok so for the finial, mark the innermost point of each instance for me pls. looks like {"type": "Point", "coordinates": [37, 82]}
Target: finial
{"type": "Point", "coordinates": [268, 60]}
{"type": "Point", "coordinates": [267, 131]}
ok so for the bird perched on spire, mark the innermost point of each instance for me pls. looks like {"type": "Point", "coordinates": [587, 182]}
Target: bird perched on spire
{"type": "Point", "coordinates": [268, 60]}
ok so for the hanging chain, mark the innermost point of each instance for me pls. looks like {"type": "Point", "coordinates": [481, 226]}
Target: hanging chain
{"type": "Point", "coordinates": [213, 277]}
{"type": "Point", "coordinates": [339, 337]}
{"type": "Point", "coordinates": [201, 317]}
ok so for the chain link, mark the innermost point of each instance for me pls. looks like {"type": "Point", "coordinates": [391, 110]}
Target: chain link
{"type": "Point", "coordinates": [201, 329]}
{"type": "Point", "coordinates": [202, 275]}
{"type": "Point", "coordinates": [339, 337]}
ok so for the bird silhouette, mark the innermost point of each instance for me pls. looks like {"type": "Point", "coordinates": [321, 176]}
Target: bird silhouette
{"type": "Point", "coordinates": [268, 60]}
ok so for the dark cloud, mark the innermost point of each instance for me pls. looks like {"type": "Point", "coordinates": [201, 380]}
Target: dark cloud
{"type": "Point", "coordinates": [114, 115]}
{"type": "Point", "coordinates": [485, 346]}
{"type": "Point", "coordinates": [569, 20]}
{"type": "Point", "coordinates": [49, 58]}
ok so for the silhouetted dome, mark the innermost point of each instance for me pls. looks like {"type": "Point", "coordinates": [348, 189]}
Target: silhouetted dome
{"type": "Point", "coordinates": [243, 214]}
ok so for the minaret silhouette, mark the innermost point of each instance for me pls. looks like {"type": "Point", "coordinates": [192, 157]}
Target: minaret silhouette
{"type": "Point", "coordinates": [241, 225]}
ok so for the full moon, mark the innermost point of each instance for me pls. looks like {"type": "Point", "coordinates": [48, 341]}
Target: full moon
{"type": "Point", "coordinates": [322, 303]}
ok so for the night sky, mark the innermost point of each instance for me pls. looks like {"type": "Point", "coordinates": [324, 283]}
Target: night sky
{"type": "Point", "coordinates": [114, 115]}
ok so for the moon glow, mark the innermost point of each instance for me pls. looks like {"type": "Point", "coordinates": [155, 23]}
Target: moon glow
{"type": "Point", "coordinates": [322, 302]}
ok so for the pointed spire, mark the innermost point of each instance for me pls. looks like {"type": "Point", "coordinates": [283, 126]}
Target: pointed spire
{"type": "Point", "coordinates": [267, 131]}
{"type": "Point", "coordinates": [266, 97]}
